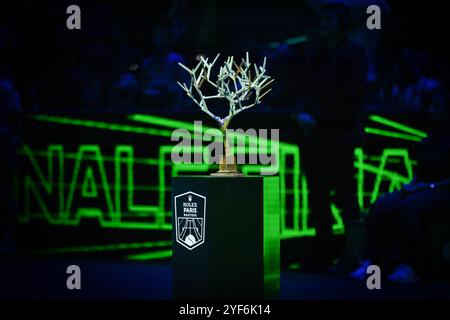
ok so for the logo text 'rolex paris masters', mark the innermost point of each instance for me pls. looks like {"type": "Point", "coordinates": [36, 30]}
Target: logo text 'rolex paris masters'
{"type": "Point", "coordinates": [190, 214]}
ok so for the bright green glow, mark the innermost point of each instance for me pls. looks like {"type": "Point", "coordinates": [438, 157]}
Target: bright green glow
{"type": "Point", "coordinates": [255, 145]}
{"type": "Point", "coordinates": [395, 178]}
{"type": "Point", "coordinates": [305, 209]}
{"type": "Point", "coordinates": [89, 159]}
{"type": "Point", "coordinates": [154, 120]}
{"type": "Point", "coordinates": [73, 215]}
{"type": "Point", "coordinates": [398, 126]}
{"type": "Point", "coordinates": [154, 255]}
{"type": "Point", "coordinates": [114, 205]}
{"type": "Point", "coordinates": [359, 156]}
{"type": "Point", "coordinates": [47, 181]}
{"type": "Point", "coordinates": [102, 125]}
{"type": "Point", "coordinates": [73, 156]}
{"type": "Point", "coordinates": [271, 234]}
{"type": "Point", "coordinates": [105, 247]}
{"type": "Point", "coordinates": [338, 226]}
{"type": "Point", "coordinates": [126, 155]}
{"type": "Point", "coordinates": [385, 174]}
{"type": "Point", "coordinates": [175, 124]}
{"type": "Point", "coordinates": [382, 174]}
{"type": "Point", "coordinates": [299, 192]}
{"type": "Point", "coordinates": [89, 188]}
{"type": "Point", "coordinates": [392, 134]}
{"type": "Point", "coordinates": [160, 121]}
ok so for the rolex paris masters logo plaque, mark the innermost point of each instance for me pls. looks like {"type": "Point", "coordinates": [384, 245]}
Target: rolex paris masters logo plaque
{"type": "Point", "coordinates": [190, 214]}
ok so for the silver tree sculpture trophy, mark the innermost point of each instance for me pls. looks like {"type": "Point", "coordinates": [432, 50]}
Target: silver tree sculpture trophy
{"type": "Point", "coordinates": [242, 86]}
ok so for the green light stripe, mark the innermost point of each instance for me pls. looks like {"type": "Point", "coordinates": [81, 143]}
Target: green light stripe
{"type": "Point", "coordinates": [143, 225]}
{"type": "Point", "coordinates": [392, 134]}
{"type": "Point", "coordinates": [73, 156]}
{"type": "Point", "coordinates": [98, 185]}
{"type": "Point", "coordinates": [398, 126]}
{"type": "Point", "coordinates": [160, 121]}
{"type": "Point", "coordinates": [385, 173]}
{"type": "Point", "coordinates": [154, 120]}
{"type": "Point", "coordinates": [102, 125]}
{"type": "Point", "coordinates": [139, 130]}
{"type": "Point", "coordinates": [105, 247]}
{"type": "Point", "coordinates": [150, 255]}
{"type": "Point", "coordinates": [293, 187]}
{"type": "Point", "coordinates": [289, 234]}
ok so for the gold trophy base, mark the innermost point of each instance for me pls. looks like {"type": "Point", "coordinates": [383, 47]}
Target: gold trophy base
{"type": "Point", "coordinates": [227, 168]}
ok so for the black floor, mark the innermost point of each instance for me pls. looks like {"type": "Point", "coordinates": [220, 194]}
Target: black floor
{"type": "Point", "coordinates": [46, 279]}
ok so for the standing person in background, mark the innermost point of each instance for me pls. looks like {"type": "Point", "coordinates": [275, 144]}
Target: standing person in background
{"type": "Point", "coordinates": [160, 71]}
{"type": "Point", "coordinates": [9, 142]}
{"type": "Point", "coordinates": [334, 81]}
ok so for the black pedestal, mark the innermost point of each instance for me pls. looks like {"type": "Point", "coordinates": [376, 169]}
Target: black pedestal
{"type": "Point", "coordinates": [226, 238]}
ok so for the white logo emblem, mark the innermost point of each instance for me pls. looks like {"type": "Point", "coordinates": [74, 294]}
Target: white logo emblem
{"type": "Point", "coordinates": [190, 214]}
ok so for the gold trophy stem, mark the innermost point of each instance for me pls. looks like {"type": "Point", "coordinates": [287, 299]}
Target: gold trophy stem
{"type": "Point", "coordinates": [227, 165]}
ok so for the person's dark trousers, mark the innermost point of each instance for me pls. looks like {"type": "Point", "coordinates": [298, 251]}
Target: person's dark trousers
{"type": "Point", "coordinates": [416, 209]}
{"type": "Point", "coordinates": [396, 226]}
{"type": "Point", "coordinates": [383, 225]}
{"type": "Point", "coordinates": [328, 165]}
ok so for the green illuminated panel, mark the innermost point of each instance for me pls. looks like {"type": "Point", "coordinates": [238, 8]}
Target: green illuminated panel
{"type": "Point", "coordinates": [67, 186]}
{"type": "Point", "coordinates": [88, 171]}
{"type": "Point", "coordinates": [271, 235]}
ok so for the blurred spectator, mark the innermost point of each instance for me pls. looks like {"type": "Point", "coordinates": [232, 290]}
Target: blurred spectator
{"type": "Point", "coordinates": [160, 72]}
{"type": "Point", "coordinates": [409, 83]}
{"type": "Point", "coordinates": [335, 77]}
{"type": "Point", "coordinates": [397, 221]}
{"type": "Point", "coordinates": [9, 139]}
{"type": "Point", "coordinates": [124, 92]}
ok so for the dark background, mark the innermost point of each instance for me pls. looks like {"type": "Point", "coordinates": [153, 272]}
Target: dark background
{"type": "Point", "coordinates": [102, 71]}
